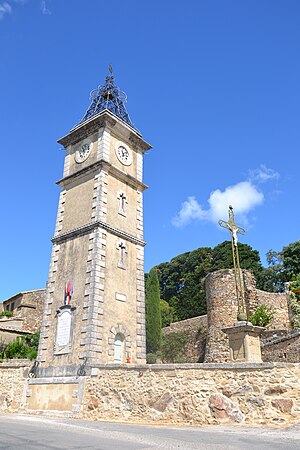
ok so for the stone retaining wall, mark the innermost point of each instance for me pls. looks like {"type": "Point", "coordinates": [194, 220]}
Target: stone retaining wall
{"type": "Point", "coordinates": [202, 394]}
{"type": "Point", "coordinates": [279, 303]}
{"type": "Point", "coordinates": [222, 309]}
{"type": "Point", "coordinates": [266, 393]}
{"type": "Point", "coordinates": [195, 331]}
{"type": "Point", "coordinates": [282, 348]}
{"type": "Point", "coordinates": [13, 385]}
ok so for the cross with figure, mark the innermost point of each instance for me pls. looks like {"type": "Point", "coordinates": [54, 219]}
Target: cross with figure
{"type": "Point", "coordinates": [239, 284]}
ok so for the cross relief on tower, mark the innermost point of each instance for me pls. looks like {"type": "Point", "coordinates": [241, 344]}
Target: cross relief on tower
{"type": "Point", "coordinates": [122, 203]}
{"type": "Point", "coordinates": [99, 230]}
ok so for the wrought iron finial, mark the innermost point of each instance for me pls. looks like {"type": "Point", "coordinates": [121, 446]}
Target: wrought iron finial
{"type": "Point", "coordinates": [108, 96]}
{"type": "Point", "coordinates": [81, 372]}
{"type": "Point", "coordinates": [34, 369]}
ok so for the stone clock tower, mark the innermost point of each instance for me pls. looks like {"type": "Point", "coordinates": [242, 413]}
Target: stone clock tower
{"type": "Point", "coordinates": [95, 309]}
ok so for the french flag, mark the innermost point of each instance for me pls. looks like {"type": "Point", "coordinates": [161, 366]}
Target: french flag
{"type": "Point", "coordinates": [68, 293]}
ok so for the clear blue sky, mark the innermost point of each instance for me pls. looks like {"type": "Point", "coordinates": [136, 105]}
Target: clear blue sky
{"type": "Point", "coordinates": [213, 85]}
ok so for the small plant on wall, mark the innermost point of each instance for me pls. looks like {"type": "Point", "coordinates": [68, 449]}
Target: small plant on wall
{"type": "Point", "coordinates": [295, 301]}
{"type": "Point", "coordinates": [262, 316]}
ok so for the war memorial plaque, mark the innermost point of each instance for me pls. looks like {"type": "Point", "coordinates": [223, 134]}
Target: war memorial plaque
{"type": "Point", "coordinates": [63, 341]}
{"type": "Point", "coordinates": [63, 329]}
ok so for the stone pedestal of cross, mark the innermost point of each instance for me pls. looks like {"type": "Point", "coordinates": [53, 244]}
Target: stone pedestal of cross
{"type": "Point", "coordinates": [234, 231]}
{"type": "Point", "coordinates": [244, 342]}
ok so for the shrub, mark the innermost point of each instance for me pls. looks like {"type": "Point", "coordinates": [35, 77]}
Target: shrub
{"type": "Point", "coordinates": [294, 301]}
{"type": "Point", "coordinates": [6, 314]}
{"type": "Point", "coordinates": [173, 346]}
{"type": "Point", "coordinates": [262, 316]}
{"type": "Point", "coordinates": [151, 358]}
{"type": "Point", "coordinates": [24, 347]}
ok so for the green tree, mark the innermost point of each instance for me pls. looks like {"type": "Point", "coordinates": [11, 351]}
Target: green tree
{"type": "Point", "coordinates": [153, 317]}
{"type": "Point", "coordinates": [182, 279]}
{"type": "Point", "coordinates": [167, 312]}
{"type": "Point", "coordinates": [249, 258]}
{"type": "Point", "coordinates": [182, 282]}
{"type": "Point", "coordinates": [271, 278]}
{"type": "Point", "coordinates": [291, 260]}
{"type": "Point", "coordinates": [283, 266]}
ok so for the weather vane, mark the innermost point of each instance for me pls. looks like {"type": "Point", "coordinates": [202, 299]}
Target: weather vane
{"type": "Point", "coordinates": [239, 284]}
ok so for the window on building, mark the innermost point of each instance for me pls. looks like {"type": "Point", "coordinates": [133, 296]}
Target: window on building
{"type": "Point", "coordinates": [119, 354]}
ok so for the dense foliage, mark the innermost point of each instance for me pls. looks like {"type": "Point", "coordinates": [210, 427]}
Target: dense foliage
{"type": "Point", "coordinates": [24, 347]}
{"type": "Point", "coordinates": [283, 266]}
{"type": "Point", "coordinates": [153, 317]}
{"type": "Point", "coordinates": [181, 281]}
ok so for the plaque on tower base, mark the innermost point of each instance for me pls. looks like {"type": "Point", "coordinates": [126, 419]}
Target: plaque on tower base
{"type": "Point", "coordinates": [64, 329]}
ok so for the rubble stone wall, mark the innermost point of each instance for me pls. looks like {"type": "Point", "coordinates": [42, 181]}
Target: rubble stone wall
{"type": "Point", "coordinates": [222, 309]}
{"type": "Point", "coordinates": [221, 312]}
{"type": "Point", "coordinates": [31, 310]}
{"type": "Point", "coordinates": [282, 348]}
{"type": "Point", "coordinates": [266, 393]}
{"type": "Point", "coordinates": [13, 384]}
{"type": "Point", "coordinates": [195, 331]}
{"type": "Point", "coordinates": [279, 303]}
{"type": "Point", "coordinates": [202, 394]}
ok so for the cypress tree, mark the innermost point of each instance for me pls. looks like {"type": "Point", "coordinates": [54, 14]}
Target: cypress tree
{"type": "Point", "coordinates": [153, 316]}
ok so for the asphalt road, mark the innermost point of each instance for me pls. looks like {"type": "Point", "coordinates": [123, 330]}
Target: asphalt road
{"type": "Point", "coordinates": [30, 432]}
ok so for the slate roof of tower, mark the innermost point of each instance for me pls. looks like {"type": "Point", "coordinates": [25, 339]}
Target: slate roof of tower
{"type": "Point", "coordinates": [108, 96]}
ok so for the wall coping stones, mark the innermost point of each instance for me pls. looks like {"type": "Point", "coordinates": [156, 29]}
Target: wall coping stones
{"type": "Point", "coordinates": [15, 363]}
{"type": "Point", "coordinates": [54, 380]}
{"type": "Point", "coordinates": [157, 367]}
{"type": "Point", "coordinates": [197, 366]}
{"type": "Point", "coordinates": [277, 340]}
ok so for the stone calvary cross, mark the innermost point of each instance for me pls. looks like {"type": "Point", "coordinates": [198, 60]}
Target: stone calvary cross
{"type": "Point", "coordinates": [239, 284]}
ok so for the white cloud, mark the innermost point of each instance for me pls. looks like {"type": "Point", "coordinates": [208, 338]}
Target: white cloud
{"type": "Point", "coordinates": [44, 8]}
{"type": "Point", "coordinates": [190, 209]}
{"type": "Point", "coordinates": [243, 196]}
{"type": "Point", "coordinates": [263, 174]}
{"type": "Point", "coordinates": [5, 8]}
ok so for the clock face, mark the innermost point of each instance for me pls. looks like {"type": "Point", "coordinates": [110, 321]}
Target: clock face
{"type": "Point", "coordinates": [124, 154]}
{"type": "Point", "coordinates": [83, 152]}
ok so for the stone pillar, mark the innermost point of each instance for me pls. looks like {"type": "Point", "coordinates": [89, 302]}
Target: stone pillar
{"type": "Point", "coordinates": [222, 310]}
{"type": "Point", "coordinates": [244, 342]}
